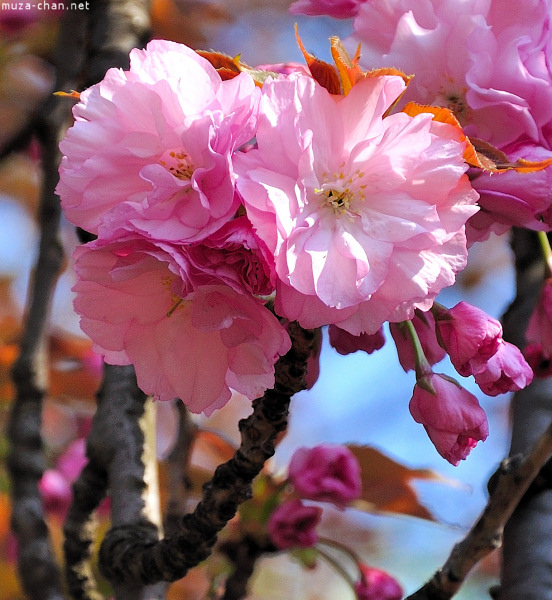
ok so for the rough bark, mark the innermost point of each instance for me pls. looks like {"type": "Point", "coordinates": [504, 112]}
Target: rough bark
{"type": "Point", "coordinates": [38, 570]}
{"type": "Point", "coordinates": [131, 553]}
{"type": "Point", "coordinates": [527, 561]}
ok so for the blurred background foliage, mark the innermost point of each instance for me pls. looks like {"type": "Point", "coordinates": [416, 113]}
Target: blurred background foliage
{"type": "Point", "coordinates": [414, 506]}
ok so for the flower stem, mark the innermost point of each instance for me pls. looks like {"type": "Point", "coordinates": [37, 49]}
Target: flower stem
{"type": "Point", "coordinates": [423, 367]}
{"type": "Point", "coordinates": [337, 566]}
{"type": "Point", "coordinates": [546, 251]}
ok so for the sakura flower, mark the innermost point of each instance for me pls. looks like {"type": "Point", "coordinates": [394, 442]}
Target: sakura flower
{"type": "Point", "coordinates": [539, 329]}
{"type": "Point", "coordinates": [376, 584]}
{"type": "Point", "coordinates": [193, 343]}
{"type": "Point", "coordinates": [339, 9]}
{"type": "Point", "coordinates": [157, 139]}
{"type": "Point", "coordinates": [234, 255]}
{"type": "Point", "coordinates": [451, 416]}
{"type": "Point", "coordinates": [506, 371]}
{"type": "Point", "coordinates": [469, 335]}
{"type": "Point", "coordinates": [346, 343]}
{"type": "Point", "coordinates": [499, 86]}
{"type": "Point", "coordinates": [326, 473]}
{"type": "Point", "coordinates": [424, 324]}
{"type": "Point", "coordinates": [293, 525]}
{"type": "Point", "coordinates": [364, 215]}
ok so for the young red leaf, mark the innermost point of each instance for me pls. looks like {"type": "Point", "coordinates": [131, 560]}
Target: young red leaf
{"type": "Point", "coordinates": [324, 73]}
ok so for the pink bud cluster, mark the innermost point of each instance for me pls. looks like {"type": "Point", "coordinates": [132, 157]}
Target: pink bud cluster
{"type": "Point", "coordinates": [451, 415]}
{"type": "Point", "coordinates": [325, 473]}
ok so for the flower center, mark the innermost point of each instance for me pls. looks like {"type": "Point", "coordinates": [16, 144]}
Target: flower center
{"type": "Point", "coordinates": [179, 163]}
{"type": "Point", "coordinates": [341, 194]}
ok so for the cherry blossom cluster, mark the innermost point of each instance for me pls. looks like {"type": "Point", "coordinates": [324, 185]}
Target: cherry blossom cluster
{"type": "Point", "coordinates": [209, 195]}
{"type": "Point", "coordinates": [499, 90]}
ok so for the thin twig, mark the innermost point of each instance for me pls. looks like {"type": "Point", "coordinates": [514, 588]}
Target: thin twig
{"type": "Point", "coordinates": [509, 484]}
{"type": "Point", "coordinates": [132, 554]}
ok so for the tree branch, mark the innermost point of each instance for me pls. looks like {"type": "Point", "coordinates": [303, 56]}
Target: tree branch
{"type": "Point", "coordinates": [38, 569]}
{"type": "Point", "coordinates": [132, 554]}
{"type": "Point", "coordinates": [508, 486]}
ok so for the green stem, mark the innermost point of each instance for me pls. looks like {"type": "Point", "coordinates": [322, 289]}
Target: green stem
{"type": "Point", "coordinates": [337, 566]}
{"type": "Point", "coordinates": [344, 549]}
{"type": "Point", "coordinates": [423, 367]}
{"type": "Point", "coordinates": [546, 251]}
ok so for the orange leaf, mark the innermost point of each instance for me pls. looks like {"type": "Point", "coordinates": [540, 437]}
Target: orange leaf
{"type": "Point", "coordinates": [349, 71]}
{"type": "Point", "coordinates": [386, 484]}
{"type": "Point", "coordinates": [71, 94]}
{"type": "Point", "coordinates": [494, 160]}
{"type": "Point", "coordinates": [221, 61]}
{"type": "Point", "coordinates": [324, 73]}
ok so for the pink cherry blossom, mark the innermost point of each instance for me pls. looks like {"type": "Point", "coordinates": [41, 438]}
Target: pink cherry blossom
{"type": "Point", "coordinates": [499, 86]}
{"type": "Point", "coordinates": [339, 9]}
{"type": "Point", "coordinates": [505, 371]}
{"type": "Point", "coordinates": [539, 329]}
{"type": "Point", "coordinates": [326, 473]}
{"type": "Point", "coordinates": [364, 215]}
{"type": "Point", "coordinates": [376, 584]}
{"type": "Point", "coordinates": [293, 525]}
{"type": "Point", "coordinates": [160, 139]}
{"type": "Point", "coordinates": [235, 256]}
{"type": "Point", "coordinates": [346, 343]}
{"type": "Point", "coordinates": [451, 416]}
{"type": "Point", "coordinates": [137, 305]}
{"type": "Point", "coordinates": [424, 324]}
{"type": "Point", "coordinates": [469, 335]}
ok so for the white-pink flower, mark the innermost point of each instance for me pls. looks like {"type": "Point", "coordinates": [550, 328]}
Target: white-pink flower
{"type": "Point", "coordinates": [158, 138]}
{"type": "Point", "coordinates": [137, 305]}
{"type": "Point", "coordinates": [364, 214]}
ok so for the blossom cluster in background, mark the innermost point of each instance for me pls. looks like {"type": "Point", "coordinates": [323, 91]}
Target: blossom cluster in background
{"type": "Point", "coordinates": [329, 474]}
{"type": "Point", "coordinates": [208, 195]}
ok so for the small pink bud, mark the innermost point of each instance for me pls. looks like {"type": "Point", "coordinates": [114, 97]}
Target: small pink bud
{"type": "Point", "coordinates": [326, 473]}
{"type": "Point", "coordinates": [293, 525]}
{"type": "Point", "coordinates": [452, 416]}
{"type": "Point", "coordinates": [376, 584]}
{"type": "Point", "coordinates": [505, 371]}
{"type": "Point", "coordinates": [469, 335]}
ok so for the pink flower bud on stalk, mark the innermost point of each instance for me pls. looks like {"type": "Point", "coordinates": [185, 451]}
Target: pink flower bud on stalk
{"type": "Point", "coordinates": [424, 324]}
{"type": "Point", "coordinates": [326, 474]}
{"type": "Point", "coordinates": [451, 416]}
{"type": "Point", "coordinates": [468, 334]}
{"type": "Point", "coordinates": [505, 371]}
{"type": "Point", "coordinates": [293, 525]}
{"type": "Point", "coordinates": [375, 584]}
